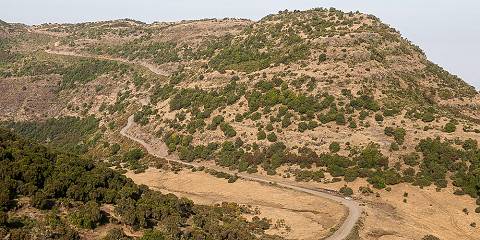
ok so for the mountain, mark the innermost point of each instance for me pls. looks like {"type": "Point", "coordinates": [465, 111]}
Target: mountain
{"type": "Point", "coordinates": [318, 95]}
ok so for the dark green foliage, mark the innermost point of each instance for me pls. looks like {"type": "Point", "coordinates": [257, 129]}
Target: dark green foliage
{"type": "Point", "coordinates": [428, 117]}
{"type": "Point", "coordinates": [238, 118]}
{"type": "Point", "coordinates": [141, 117]}
{"type": "Point", "coordinates": [261, 135]}
{"type": "Point", "coordinates": [450, 127]}
{"type": "Point", "coordinates": [114, 148]}
{"type": "Point", "coordinates": [302, 126]}
{"type": "Point", "coordinates": [340, 119]}
{"type": "Point", "coordinates": [371, 157]}
{"type": "Point", "coordinates": [88, 70]}
{"type": "Point", "coordinates": [439, 158]}
{"type": "Point", "coordinates": [133, 155]}
{"type": "Point", "coordinates": [380, 179]}
{"type": "Point", "coordinates": [87, 216]}
{"type": "Point", "coordinates": [379, 117]}
{"type": "Point", "coordinates": [334, 147]}
{"type": "Point", "coordinates": [322, 57]}
{"type": "Point", "coordinates": [306, 176]}
{"type": "Point", "coordinates": [47, 176]}
{"type": "Point", "coordinates": [346, 191]}
{"type": "Point", "coordinates": [272, 137]}
{"type": "Point", "coordinates": [116, 234]}
{"type": "Point", "coordinates": [229, 155]}
{"type": "Point", "coordinates": [470, 144]}
{"type": "Point", "coordinates": [216, 121]}
{"type": "Point", "coordinates": [66, 133]}
{"type": "Point", "coordinates": [159, 52]}
{"type": "Point", "coordinates": [300, 103]}
{"type": "Point", "coordinates": [397, 133]}
{"type": "Point", "coordinates": [246, 55]}
{"type": "Point", "coordinates": [161, 93]}
{"type": "Point", "coordinates": [152, 235]}
{"type": "Point", "coordinates": [228, 130]}
{"type": "Point", "coordinates": [411, 159]}
{"type": "Point", "coordinates": [195, 99]}
{"type": "Point", "coordinates": [365, 102]}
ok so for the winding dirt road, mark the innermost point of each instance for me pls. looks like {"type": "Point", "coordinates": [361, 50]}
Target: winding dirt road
{"type": "Point", "coordinates": [354, 209]}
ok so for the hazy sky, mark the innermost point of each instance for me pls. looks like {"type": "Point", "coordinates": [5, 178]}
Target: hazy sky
{"type": "Point", "coordinates": [448, 31]}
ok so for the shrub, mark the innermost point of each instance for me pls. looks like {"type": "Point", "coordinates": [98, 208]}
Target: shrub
{"type": "Point", "coordinates": [261, 135]}
{"type": "Point", "coordinates": [272, 137]}
{"type": "Point", "coordinates": [322, 58]}
{"type": "Point", "coordinates": [394, 146]}
{"type": "Point", "coordinates": [238, 117]}
{"type": "Point", "coordinates": [450, 127]}
{"type": "Point", "coordinates": [228, 130]}
{"type": "Point", "coordinates": [302, 126]}
{"type": "Point", "coordinates": [430, 237]}
{"type": "Point", "coordinates": [133, 155]}
{"type": "Point", "coordinates": [88, 216]}
{"type": "Point", "coordinates": [346, 191]}
{"type": "Point", "coordinates": [152, 234]}
{"type": "Point", "coordinates": [340, 119]}
{"type": "Point", "coordinates": [334, 147]}
{"type": "Point", "coordinates": [411, 159]}
{"type": "Point", "coordinates": [397, 133]}
{"type": "Point", "coordinates": [428, 117]}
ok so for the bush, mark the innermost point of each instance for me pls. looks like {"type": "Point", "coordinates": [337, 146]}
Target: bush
{"type": "Point", "coordinates": [340, 119]}
{"type": "Point", "coordinates": [302, 126]}
{"type": "Point", "coordinates": [428, 117]}
{"type": "Point", "coordinates": [346, 191]}
{"type": "Point", "coordinates": [397, 133]}
{"type": "Point", "coordinates": [334, 147]}
{"type": "Point", "coordinates": [272, 137]}
{"type": "Point", "coordinates": [88, 216]}
{"type": "Point", "coordinates": [411, 159]}
{"type": "Point", "coordinates": [261, 135]}
{"type": "Point", "coordinates": [133, 155]}
{"type": "Point", "coordinates": [322, 58]}
{"type": "Point", "coordinates": [450, 127]}
{"type": "Point", "coordinates": [378, 117]}
{"type": "Point", "coordinates": [153, 235]}
{"type": "Point", "coordinates": [228, 130]}
{"type": "Point", "coordinates": [116, 234]}
{"type": "Point", "coordinates": [430, 237]}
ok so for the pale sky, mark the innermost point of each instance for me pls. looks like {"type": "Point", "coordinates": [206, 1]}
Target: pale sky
{"type": "Point", "coordinates": [448, 31]}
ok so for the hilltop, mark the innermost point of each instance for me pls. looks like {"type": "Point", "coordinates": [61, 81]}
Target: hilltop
{"type": "Point", "coordinates": [318, 96]}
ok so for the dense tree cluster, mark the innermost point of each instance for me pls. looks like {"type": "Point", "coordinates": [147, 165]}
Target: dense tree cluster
{"type": "Point", "coordinates": [66, 133]}
{"type": "Point", "coordinates": [88, 70]}
{"type": "Point", "coordinates": [49, 178]}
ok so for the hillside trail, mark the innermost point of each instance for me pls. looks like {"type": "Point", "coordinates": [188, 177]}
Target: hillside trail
{"type": "Point", "coordinates": [354, 209]}
{"type": "Point", "coordinates": [144, 64]}
{"type": "Point", "coordinates": [161, 151]}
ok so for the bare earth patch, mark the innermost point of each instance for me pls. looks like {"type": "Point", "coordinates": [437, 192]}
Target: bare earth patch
{"type": "Point", "coordinates": [309, 217]}
{"type": "Point", "coordinates": [425, 211]}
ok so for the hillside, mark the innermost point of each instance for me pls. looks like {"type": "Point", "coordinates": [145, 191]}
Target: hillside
{"type": "Point", "coordinates": [319, 96]}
